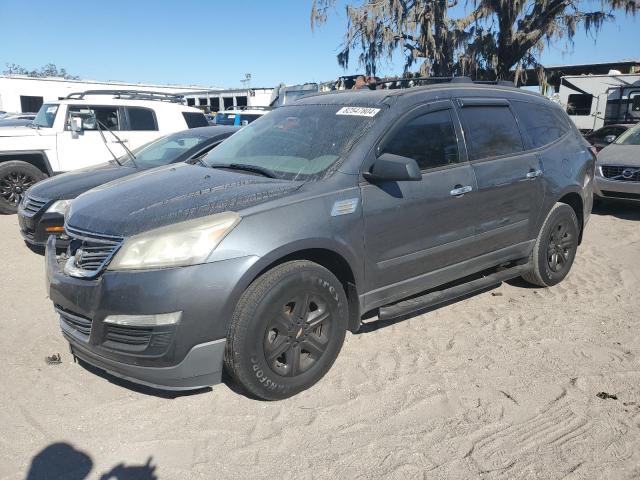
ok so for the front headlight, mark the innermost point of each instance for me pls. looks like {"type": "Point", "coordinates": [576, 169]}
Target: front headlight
{"type": "Point", "coordinates": [59, 206]}
{"type": "Point", "coordinates": [180, 244]}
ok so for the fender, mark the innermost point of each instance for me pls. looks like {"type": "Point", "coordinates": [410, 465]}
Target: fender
{"type": "Point", "coordinates": [20, 155]}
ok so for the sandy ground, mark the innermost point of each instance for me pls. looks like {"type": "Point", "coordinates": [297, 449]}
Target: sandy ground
{"type": "Point", "coordinates": [502, 385]}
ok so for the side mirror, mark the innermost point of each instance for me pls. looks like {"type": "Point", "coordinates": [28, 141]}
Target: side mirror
{"type": "Point", "coordinates": [75, 124]}
{"type": "Point", "coordinates": [610, 138]}
{"type": "Point", "coordinates": [393, 168]}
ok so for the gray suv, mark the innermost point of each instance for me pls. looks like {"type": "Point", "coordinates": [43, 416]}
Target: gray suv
{"type": "Point", "coordinates": [259, 258]}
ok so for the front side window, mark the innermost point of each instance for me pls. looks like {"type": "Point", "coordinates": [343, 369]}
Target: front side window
{"type": "Point", "coordinates": [429, 139]}
{"type": "Point", "coordinates": [141, 119]}
{"type": "Point", "coordinates": [630, 137]}
{"type": "Point", "coordinates": [46, 115]}
{"type": "Point", "coordinates": [579, 104]}
{"type": "Point", "coordinates": [103, 117]}
{"type": "Point", "coordinates": [541, 123]}
{"type": "Point", "coordinates": [300, 142]}
{"type": "Point", "coordinates": [491, 131]}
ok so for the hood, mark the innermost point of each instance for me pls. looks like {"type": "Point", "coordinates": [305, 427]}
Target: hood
{"type": "Point", "coordinates": [70, 185]}
{"type": "Point", "coordinates": [168, 195]}
{"type": "Point", "coordinates": [625, 155]}
{"type": "Point", "coordinates": [21, 131]}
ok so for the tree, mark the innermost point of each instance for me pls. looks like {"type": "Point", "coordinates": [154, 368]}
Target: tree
{"type": "Point", "coordinates": [482, 38]}
{"type": "Point", "coordinates": [49, 70]}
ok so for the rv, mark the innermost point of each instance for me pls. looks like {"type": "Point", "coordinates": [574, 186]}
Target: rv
{"type": "Point", "coordinates": [593, 101]}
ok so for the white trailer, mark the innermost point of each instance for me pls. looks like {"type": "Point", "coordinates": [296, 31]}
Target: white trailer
{"type": "Point", "coordinates": [593, 101]}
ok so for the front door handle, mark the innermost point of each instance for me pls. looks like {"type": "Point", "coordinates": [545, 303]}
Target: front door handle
{"type": "Point", "coordinates": [534, 173]}
{"type": "Point", "coordinates": [459, 190]}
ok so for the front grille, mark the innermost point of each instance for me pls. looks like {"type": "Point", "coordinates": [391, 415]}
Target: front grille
{"type": "Point", "coordinates": [33, 205]}
{"type": "Point", "coordinates": [623, 195]}
{"type": "Point", "coordinates": [75, 321]}
{"type": "Point", "coordinates": [91, 252]}
{"type": "Point", "coordinates": [621, 173]}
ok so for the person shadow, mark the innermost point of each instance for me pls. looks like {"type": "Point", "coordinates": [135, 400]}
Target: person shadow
{"type": "Point", "coordinates": [61, 461]}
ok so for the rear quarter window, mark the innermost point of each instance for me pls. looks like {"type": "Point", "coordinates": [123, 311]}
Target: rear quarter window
{"type": "Point", "coordinates": [491, 131]}
{"type": "Point", "coordinates": [541, 123]}
{"type": "Point", "coordinates": [195, 119]}
{"type": "Point", "coordinates": [141, 119]}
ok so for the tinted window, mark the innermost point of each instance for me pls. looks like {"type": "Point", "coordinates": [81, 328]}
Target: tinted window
{"type": "Point", "coordinates": [167, 149]}
{"type": "Point", "coordinates": [104, 117]}
{"type": "Point", "coordinates": [141, 119]}
{"type": "Point", "coordinates": [541, 123]}
{"type": "Point", "coordinates": [579, 104]}
{"type": "Point", "coordinates": [429, 139]}
{"type": "Point", "coordinates": [195, 119]}
{"type": "Point", "coordinates": [491, 131]}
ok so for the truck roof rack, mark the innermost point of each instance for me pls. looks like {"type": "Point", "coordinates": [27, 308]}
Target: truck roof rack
{"type": "Point", "coordinates": [130, 95]}
{"type": "Point", "coordinates": [248, 107]}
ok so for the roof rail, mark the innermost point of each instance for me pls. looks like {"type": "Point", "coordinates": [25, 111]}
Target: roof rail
{"type": "Point", "coordinates": [130, 95]}
{"type": "Point", "coordinates": [421, 81]}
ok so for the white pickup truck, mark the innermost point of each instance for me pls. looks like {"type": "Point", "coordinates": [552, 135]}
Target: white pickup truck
{"type": "Point", "coordinates": [85, 129]}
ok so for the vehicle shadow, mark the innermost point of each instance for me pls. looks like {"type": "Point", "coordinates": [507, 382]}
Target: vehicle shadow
{"type": "Point", "coordinates": [136, 387]}
{"type": "Point", "coordinates": [618, 209]}
{"type": "Point", "coordinates": [61, 461]}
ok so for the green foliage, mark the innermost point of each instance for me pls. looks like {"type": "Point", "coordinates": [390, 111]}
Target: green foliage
{"type": "Point", "coordinates": [487, 40]}
{"type": "Point", "coordinates": [49, 70]}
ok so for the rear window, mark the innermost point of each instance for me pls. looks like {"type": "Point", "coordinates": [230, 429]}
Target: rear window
{"type": "Point", "coordinates": [141, 119]}
{"type": "Point", "coordinates": [492, 131]}
{"type": "Point", "coordinates": [195, 119]}
{"type": "Point", "coordinates": [541, 123]}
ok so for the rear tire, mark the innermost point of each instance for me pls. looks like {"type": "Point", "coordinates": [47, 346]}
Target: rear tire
{"type": "Point", "coordinates": [555, 248]}
{"type": "Point", "coordinates": [15, 178]}
{"type": "Point", "coordinates": [287, 330]}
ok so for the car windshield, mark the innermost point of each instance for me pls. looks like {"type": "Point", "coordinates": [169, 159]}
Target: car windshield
{"type": "Point", "coordinates": [300, 142]}
{"type": "Point", "coordinates": [46, 115]}
{"type": "Point", "coordinates": [165, 150]}
{"type": "Point", "coordinates": [630, 137]}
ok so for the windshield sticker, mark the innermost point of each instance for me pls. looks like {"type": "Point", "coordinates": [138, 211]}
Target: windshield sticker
{"type": "Point", "coordinates": [358, 111]}
{"type": "Point", "coordinates": [52, 109]}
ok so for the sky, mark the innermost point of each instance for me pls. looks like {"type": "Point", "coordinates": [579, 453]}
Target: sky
{"type": "Point", "coordinates": [216, 42]}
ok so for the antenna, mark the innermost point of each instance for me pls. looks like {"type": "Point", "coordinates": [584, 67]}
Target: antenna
{"type": "Point", "coordinates": [247, 80]}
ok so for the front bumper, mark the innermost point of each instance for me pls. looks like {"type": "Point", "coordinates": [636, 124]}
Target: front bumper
{"type": "Point", "coordinates": [615, 189]}
{"type": "Point", "coordinates": [178, 357]}
{"type": "Point", "coordinates": [33, 228]}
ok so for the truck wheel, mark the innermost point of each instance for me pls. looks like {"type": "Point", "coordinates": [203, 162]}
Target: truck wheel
{"type": "Point", "coordinates": [555, 248]}
{"type": "Point", "coordinates": [287, 330]}
{"type": "Point", "coordinates": [15, 178]}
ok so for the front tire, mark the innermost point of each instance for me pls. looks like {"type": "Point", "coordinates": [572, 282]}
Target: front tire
{"type": "Point", "coordinates": [555, 248]}
{"type": "Point", "coordinates": [287, 330]}
{"type": "Point", "coordinates": [15, 178]}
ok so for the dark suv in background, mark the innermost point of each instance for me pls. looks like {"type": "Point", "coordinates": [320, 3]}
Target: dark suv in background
{"type": "Point", "coordinates": [262, 256]}
{"type": "Point", "coordinates": [41, 211]}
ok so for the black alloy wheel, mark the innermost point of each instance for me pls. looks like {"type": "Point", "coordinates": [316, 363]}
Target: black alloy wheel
{"type": "Point", "coordinates": [298, 338]}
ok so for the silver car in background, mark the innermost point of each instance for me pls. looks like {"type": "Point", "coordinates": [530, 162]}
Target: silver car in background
{"type": "Point", "coordinates": [618, 168]}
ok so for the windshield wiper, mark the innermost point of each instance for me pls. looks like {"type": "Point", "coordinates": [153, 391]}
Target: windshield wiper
{"type": "Point", "coordinates": [247, 168]}
{"type": "Point", "coordinates": [131, 155]}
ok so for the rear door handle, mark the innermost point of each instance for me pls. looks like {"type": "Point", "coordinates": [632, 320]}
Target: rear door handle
{"type": "Point", "coordinates": [459, 190]}
{"type": "Point", "coordinates": [534, 173]}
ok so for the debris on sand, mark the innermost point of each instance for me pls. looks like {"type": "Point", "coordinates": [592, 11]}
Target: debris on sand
{"type": "Point", "coordinates": [605, 396]}
{"type": "Point", "coordinates": [54, 359]}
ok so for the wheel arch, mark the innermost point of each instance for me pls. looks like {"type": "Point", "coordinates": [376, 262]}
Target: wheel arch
{"type": "Point", "coordinates": [326, 255]}
{"type": "Point", "coordinates": [37, 158]}
{"type": "Point", "coordinates": [575, 201]}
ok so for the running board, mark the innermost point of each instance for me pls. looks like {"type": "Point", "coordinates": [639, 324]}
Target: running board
{"type": "Point", "coordinates": [414, 305]}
